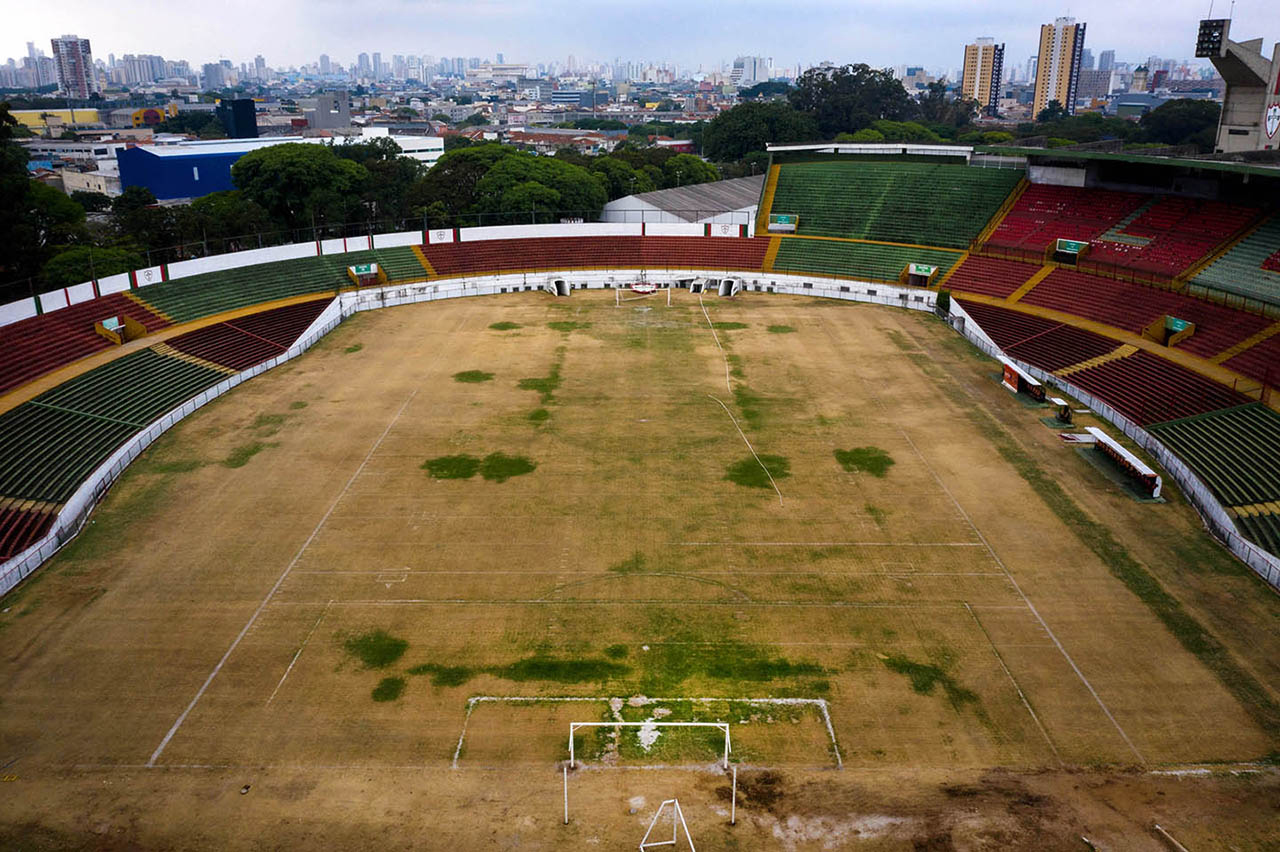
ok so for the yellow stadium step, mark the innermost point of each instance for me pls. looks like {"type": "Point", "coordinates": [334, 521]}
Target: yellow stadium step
{"type": "Point", "coordinates": [1227, 245]}
{"type": "Point", "coordinates": [422, 258]}
{"type": "Point", "coordinates": [766, 200]}
{"type": "Point", "coordinates": [1248, 343]}
{"type": "Point", "coordinates": [169, 352]}
{"type": "Point", "coordinates": [19, 504]}
{"type": "Point", "coordinates": [132, 297]}
{"type": "Point", "coordinates": [1031, 282]}
{"type": "Point", "coordinates": [771, 254]}
{"type": "Point", "coordinates": [1254, 509]}
{"type": "Point", "coordinates": [1002, 212]}
{"type": "Point", "coordinates": [1122, 351]}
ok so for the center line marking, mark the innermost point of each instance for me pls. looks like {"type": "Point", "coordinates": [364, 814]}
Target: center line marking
{"type": "Point", "coordinates": [155, 755]}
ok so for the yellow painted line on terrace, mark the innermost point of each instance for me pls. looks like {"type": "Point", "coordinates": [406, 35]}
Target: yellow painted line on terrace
{"type": "Point", "coordinates": [426, 264]}
{"type": "Point", "coordinates": [1255, 509]}
{"type": "Point", "coordinates": [49, 381]}
{"type": "Point", "coordinates": [137, 300]}
{"type": "Point", "coordinates": [1248, 343]}
{"type": "Point", "coordinates": [872, 243]}
{"type": "Point", "coordinates": [766, 201]}
{"type": "Point", "coordinates": [1124, 350]}
{"type": "Point", "coordinates": [1196, 364]}
{"type": "Point", "coordinates": [1030, 284]}
{"type": "Point", "coordinates": [771, 254]}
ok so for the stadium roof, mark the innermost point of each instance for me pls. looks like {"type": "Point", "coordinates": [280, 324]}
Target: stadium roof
{"type": "Point", "coordinates": [1172, 162]}
{"type": "Point", "coordinates": [703, 199]}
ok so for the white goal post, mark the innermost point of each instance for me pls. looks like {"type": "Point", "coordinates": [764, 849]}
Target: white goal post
{"type": "Point", "coordinates": [574, 726]}
{"type": "Point", "coordinates": [619, 299]}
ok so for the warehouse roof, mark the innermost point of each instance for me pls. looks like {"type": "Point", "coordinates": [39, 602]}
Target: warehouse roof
{"type": "Point", "coordinates": [700, 200]}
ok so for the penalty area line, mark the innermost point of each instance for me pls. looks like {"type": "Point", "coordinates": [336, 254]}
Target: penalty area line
{"type": "Point", "coordinates": [235, 643]}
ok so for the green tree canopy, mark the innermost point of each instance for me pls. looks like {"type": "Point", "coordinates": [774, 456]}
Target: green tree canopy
{"type": "Point", "coordinates": [767, 89]}
{"type": "Point", "coordinates": [620, 178]}
{"type": "Point", "coordinates": [686, 169]}
{"type": "Point", "coordinates": [751, 126]}
{"type": "Point", "coordinates": [505, 187]}
{"type": "Point", "coordinates": [229, 214]}
{"type": "Point", "coordinates": [1052, 112]}
{"type": "Point", "coordinates": [83, 263]}
{"type": "Point", "coordinates": [1183, 122]}
{"type": "Point", "coordinates": [851, 97]}
{"type": "Point", "coordinates": [298, 183]}
{"type": "Point", "coordinates": [92, 202]}
{"type": "Point", "coordinates": [452, 181]}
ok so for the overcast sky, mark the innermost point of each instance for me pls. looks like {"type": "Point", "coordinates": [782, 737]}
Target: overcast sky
{"type": "Point", "coordinates": [692, 34]}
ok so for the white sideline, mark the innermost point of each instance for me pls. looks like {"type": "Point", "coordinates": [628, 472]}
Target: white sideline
{"type": "Point", "coordinates": [1030, 606]}
{"type": "Point", "coordinates": [262, 606]}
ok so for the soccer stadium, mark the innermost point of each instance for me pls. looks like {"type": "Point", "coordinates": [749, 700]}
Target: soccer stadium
{"type": "Point", "coordinates": [946, 490]}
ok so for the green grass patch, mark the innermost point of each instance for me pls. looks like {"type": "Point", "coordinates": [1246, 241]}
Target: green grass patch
{"type": "Point", "coordinates": [376, 649]}
{"type": "Point", "coordinates": [473, 377]}
{"type": "Point", "coordinates": [297, 406]}
{"type": "Point", "coordinates": [505, 326]}
{"type": "Point", "coordinates": [568, 326]}
{"type": "Point", "coordinates": [747, 471]}
{"type": "Point", "coordinates": [546, 386]}
{"type": "Point", "coordinates": [782, 329]}
{"type": "Point", "coordinates": [560, 670]}
{"type": "Point", "coordinates": [633, 564]}
{"type": "Point", "coordinates": [175, 466]}
{"type": "Point", "coordinates": [499, 467]}
{"type": "Point", "coordinates": [875, 513]}
{"type": "Point", "coordinates": [748, 405]}
{"type": "Point", "coordinates": [925, 678]}
{"type": "Point", "coordinates": [616, 652]}
{"type": "Point", "coordinates": [461, 466]}
{"type": "Point", "coordinates": [728, 326]}
{"type": "Point", "coordinates": [444, 675]}
{"type": "Point", "coordinates": [388, 689]}
{"type": "Point", "coordinates": [353, 349]}
{"type": "Point", "coordinates": [268, 421]}
{"type": "Point", "coordinates": [239, 457]}
{"type": "Point", "coordinates": [669, 664]}
{"type": "Point", "coordinates": [872, 460]}
{"type": "Point", "coordinates": [539, 415]}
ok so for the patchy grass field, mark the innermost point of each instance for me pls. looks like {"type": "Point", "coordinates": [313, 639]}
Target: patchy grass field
{"type": "Point", "coordinates": [959, 594]}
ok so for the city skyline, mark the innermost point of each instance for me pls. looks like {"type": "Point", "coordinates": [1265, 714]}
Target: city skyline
{"type": "Point", "coordinates": [673, 34]}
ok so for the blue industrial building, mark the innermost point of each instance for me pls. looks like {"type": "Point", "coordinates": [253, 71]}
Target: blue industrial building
{"type": "Point", "coordinates": [188, 170]}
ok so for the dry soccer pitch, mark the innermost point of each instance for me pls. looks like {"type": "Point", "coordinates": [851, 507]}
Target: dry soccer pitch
{"type": "Point", "coordinates": [357, 603]}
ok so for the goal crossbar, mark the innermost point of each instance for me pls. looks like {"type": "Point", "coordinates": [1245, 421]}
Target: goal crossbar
{"type": "Point", "coordinates": [574, 726]}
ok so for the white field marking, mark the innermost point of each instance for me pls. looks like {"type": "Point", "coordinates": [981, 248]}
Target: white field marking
{"type": "Point", "coordinates": [1013, 680]}
{"type": "Point", "coordinates": [651, 602]}
{"type": "Point", "coordinates": [283, 576]}
{"type": "Point", "coordinates": [819, 703]}
{"type": "Point", "coordinates": [294, 661]}
{"type": "Point", "coordinates": [723, 354]}
{"type": "Point", "coordinates": [904, 572]}
{"type": "Point", "coordinates": [831, 543]}
{"type": "Point", "coordinates": [749, 447]}
{"type": "Point", "coordinates": [1030, 606]}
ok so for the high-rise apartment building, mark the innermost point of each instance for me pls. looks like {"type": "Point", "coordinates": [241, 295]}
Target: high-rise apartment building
{"type": "Point", "coordinates": [73, 60]}
{"type": "Point", "coordinates": [259, 68]}
{"type": "Point", "coordinates": [1058, 67]}
{"type": "Point", "coordinates": [326, 65]}
{"type": "Point", "coordinates": [1107, 60]}
{"type": "Point", "coordinates": [982, 73]}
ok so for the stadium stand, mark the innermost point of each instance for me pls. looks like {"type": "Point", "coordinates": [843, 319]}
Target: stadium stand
{"type": "Point", "coordinates": [1046, 213]}
{"type": "Point", "coordinates": [1233, 451]}
{"type": "Point", "coordinates": [1147, 389]}
{"type": "Point", "coordinates": [52, 443]}
{"type": "Point", "coordinates": [556, 253]}
{"type": "Point", "coordinates": [239, 344]}
{"type": "Point", "coordinates": [864, 261]}
{"type": "Point", "coordinates": [1261, 362]}
{"type": "Point", "coordinates": [990, 276]}
{"type": "Point", "coordinates": [35, 346]}
{"type": "Point", "coordinates": [1251, 268]}
{"type": "Point", "coordinates": [20, 528]}
{"type": "Point", "coordinates": [1262, 529]}
{"type": "Point", "coordinates": [197, 296]}
{"type": "Point", "coordinates": [938, 204]}
{"type": "Point", "coordinates": [1133, 307]}
{"type": "Point", "coordinates": [1040, 342]}
{"type": "Point", "coordinates": [1177, 233]}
